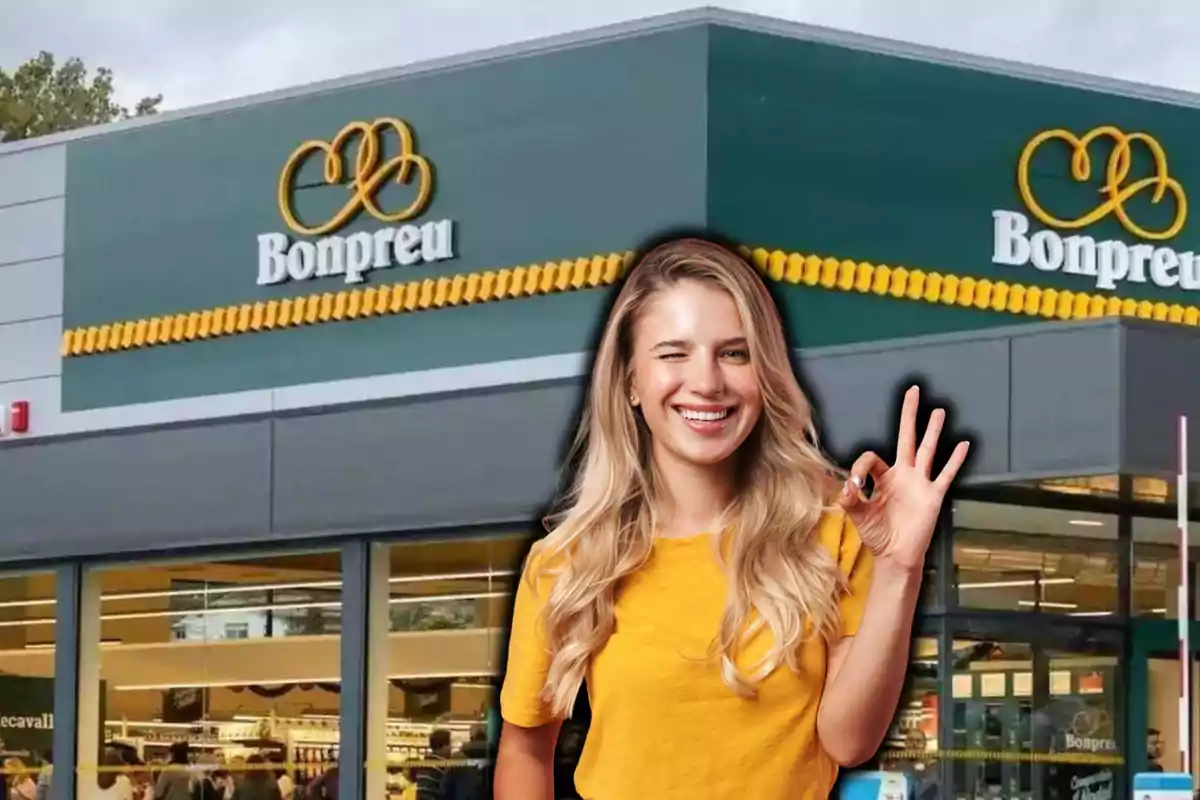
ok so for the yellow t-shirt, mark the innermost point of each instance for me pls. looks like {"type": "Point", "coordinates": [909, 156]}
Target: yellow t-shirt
{"type": "Point", "coordinates": [664, 725]}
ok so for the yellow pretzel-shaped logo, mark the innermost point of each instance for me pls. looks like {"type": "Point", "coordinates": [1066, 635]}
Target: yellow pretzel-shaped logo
{"type": "Point", "coordinates": [1115, 189]}
{"type": "Point", "coordinates": [370, 173]}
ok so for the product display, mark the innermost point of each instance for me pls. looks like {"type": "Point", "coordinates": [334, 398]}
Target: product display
{"type": "Point", "coordinates": [305, 747]}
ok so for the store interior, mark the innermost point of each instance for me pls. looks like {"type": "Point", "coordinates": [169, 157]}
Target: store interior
{"type": "Point", "coordinates": [1025, 558]}
{"type": "Point", "coordinates": [241, 656]}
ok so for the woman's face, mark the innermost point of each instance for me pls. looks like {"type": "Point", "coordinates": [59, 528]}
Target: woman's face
{"type": "Point", "coordinates": [692, 376]}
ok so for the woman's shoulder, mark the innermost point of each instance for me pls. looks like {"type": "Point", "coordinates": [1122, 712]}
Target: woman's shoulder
{"type": "Point", "coordinates": [542, 565]}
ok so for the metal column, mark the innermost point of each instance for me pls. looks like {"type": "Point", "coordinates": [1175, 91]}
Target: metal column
{"type": "Point", "coordinates": [68, 586]}
{"type": "Point", "coordinates": [352, 750]}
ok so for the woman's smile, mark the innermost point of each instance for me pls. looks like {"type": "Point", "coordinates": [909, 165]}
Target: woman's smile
{"type": "Point", "coordinates": [708, 420]}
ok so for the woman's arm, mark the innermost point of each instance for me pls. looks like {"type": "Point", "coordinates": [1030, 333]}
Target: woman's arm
{"type": "Point", "coordinates": [866, 671]}
{"type": "Point", "coordinates": [525, 762]}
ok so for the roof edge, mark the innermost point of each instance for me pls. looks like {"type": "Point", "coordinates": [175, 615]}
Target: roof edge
{"type": "Point", "coordinates": [639, 27]}
{"type": "Point", "coordinates": [522, 49]}
{"type": "Point", "coordinates": [952, 58]}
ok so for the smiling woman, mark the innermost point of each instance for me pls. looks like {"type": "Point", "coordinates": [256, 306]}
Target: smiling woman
{"type": "Point", "coordinates": [692, 379]}
{"type": "Point", "coordinates": [702, 487]}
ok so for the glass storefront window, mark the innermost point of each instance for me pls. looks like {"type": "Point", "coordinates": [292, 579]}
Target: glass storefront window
{"type": "Point", "coordinates": [1032, 724]}
{"type": "Point", "coordinates": [230, 664]}
{"type": "Point", "coordinates": [27, 636]}
{"type": "Point", "coordinates": [1024, 558]}
{"type": "Point", "coordinates": [448, 606]}
{"type": "Point", "coordinates": [1162, 735]}
{"type": "Point", "coordinates": [1156, 572]}
{"type": "Point", "coordinates": [1086, 727]}
{"type": "Point", "coordinates": [1146, 489]}
{"type": "Point", "coordinates": [911, 746]}
{"type": "Point", "coordinates": [992, 689]}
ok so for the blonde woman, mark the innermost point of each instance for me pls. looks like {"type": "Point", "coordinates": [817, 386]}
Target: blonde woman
{"type": "Point", "coordinates": [739, 609]}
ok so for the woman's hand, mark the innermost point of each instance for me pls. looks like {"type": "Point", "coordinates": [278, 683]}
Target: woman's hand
{"type": "Point", "coordinates": [896, 523]}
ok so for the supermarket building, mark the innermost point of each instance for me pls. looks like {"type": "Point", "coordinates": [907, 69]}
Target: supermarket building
{"type": "Point", "coordinates": [287, 380]}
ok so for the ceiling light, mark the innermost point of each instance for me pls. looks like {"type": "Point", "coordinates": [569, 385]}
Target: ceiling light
{"type": "Point", "coordinates": [50, 645]}
{"type": "Point", "coordinates": [262, 608]}
{"type": "Point", "coordinates": [216, 588]}
{"type": "Point", "coordinates": [1047, 604]}
{"type": "Point", "coordinates": [1015, 584]}
{"type": "Point", "coordinates": [1088, 523]}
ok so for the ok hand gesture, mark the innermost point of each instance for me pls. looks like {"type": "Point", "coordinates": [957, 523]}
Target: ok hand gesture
{"type": "Point", "coordinates": [896, 523]}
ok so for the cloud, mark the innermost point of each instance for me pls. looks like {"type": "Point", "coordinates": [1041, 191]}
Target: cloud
{"type": "Point", "coordinates": [198, 51]}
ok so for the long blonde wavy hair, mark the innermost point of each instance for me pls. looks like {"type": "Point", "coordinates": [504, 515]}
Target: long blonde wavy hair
{"type": "Point", "coordinates": [779, 575]}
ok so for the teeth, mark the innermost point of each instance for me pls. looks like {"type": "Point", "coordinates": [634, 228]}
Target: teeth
{"type": "Point", "coordinates": [704, 416]}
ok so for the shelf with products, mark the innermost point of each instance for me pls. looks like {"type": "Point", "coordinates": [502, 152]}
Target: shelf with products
{"type": "Point", "coordinates": [312, 741]}
{"type": "Point", "coordinates": [150, 740]}
{"type": "Point", "coordinates": [308, 743]}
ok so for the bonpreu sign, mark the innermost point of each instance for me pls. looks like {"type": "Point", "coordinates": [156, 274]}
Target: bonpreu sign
{"type": "Point", "coordinates": [1108, 264]}
{"type": "Point", "coordinates": [359, 158]}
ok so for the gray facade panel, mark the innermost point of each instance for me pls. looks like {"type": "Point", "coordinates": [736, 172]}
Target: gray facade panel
{"type": "Point", "coordinates": [147, 490]}
{"type": "Point", "coordinates": [31, 289]}
{"type": "Point", "coordinates": [1065, 400]}
{"type": "Point", "coordinates": [452, 461]}
{"type": "Point", "coordinates": [42, 395]}
{"type": "Point", "coordinates": [30, 349]}
{"type": "Point", "coordinates": [857, 396]}
{"type": "Point", "coordinates": [1038, 403]}
{"type": "Point", "coordinates": [33, 175]}
{"type": "Point", "coordinates": [1161, 380]}
{"type": "Point", "coordinates": [31, 231]}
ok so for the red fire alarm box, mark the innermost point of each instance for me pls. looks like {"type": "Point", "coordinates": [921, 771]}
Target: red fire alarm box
{"type": "Point", "coordinates": [18, 416]}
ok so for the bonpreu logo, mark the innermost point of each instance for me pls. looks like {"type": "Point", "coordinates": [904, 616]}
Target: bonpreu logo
{"type": "Point", "coordinates": [1089, 744]}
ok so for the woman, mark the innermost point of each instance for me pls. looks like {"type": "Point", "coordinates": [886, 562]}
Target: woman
{"type": "Point", "coordinates": [740, 610]}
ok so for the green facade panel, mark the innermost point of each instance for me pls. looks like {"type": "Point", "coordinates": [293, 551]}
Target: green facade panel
{"type": "Point", "coordinates": [766, 140]}
{"type": "Point", "coordinates": [826, 150]}
{"type": "Point", "coordinates": [561, 155]}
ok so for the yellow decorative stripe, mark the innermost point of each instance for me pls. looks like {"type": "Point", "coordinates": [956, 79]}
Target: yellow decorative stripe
{"type": "Point", "coordinates": [952, 290]}
{"type": "Point", "coordinates": [835, 274]}
{"type": "Point", "coordinates": [358, 303]}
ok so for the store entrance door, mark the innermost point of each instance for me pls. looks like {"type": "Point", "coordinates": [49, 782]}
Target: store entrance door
{"type": "Point", "coordinates": [1155, 676]}
{"type": "Point", "coordinates": [1033, 721]}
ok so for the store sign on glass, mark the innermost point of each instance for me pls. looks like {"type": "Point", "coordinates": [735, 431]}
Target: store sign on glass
{"type": "Point", "coordinates": [366, 159]}
{"type": "Point", "coordinates": [1122, 192]}
{"type": "Point", "coordinates": [1084, 732]}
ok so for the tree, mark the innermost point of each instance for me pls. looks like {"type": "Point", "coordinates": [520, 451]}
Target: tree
{"type": "Point", "coordinates": [42, 97]}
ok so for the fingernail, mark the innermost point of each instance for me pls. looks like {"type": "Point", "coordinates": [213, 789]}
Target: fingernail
{"type": "Point", "coordinates": [846, 489]}
{"type": "Point", "coordinates": [857, 480]}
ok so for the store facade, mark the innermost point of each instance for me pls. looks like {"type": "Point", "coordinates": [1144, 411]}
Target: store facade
{"type": "Point", "coordinates": [274, 447]}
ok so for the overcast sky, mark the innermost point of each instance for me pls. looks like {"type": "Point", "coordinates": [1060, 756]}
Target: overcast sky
{"type": "Point", "coordinates": [199, 51]}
